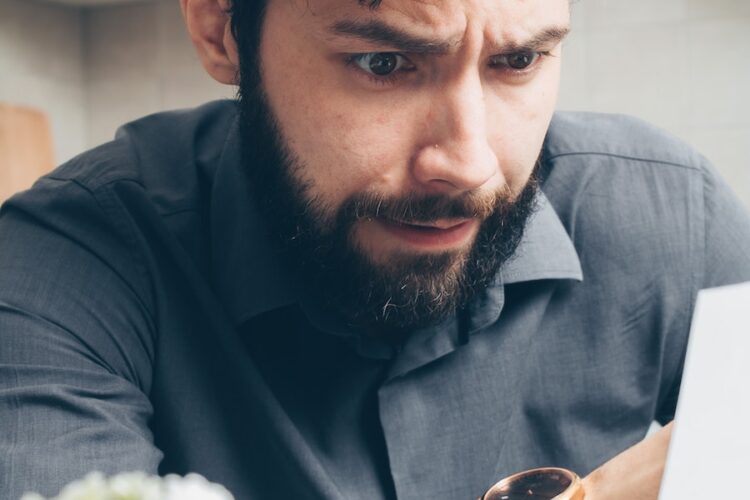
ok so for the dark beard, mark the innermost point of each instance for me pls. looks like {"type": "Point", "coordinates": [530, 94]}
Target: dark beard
{"type": "Point", "coordinates": [410, 290]}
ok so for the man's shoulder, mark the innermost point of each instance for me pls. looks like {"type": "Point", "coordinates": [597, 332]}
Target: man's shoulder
{"type": "Point", "coordinates": [619, 137]}
{"type": "Point", "coordinates": [614, 170]}
{"type": "Point", "coordinates": [628, 192]}
{"type": "Point", "coordinates": [167, 154]}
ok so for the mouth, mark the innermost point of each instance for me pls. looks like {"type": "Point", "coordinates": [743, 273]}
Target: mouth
{"type": "Point", "coordinates": [438, 234]}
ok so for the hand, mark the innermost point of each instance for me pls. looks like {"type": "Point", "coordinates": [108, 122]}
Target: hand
{"type": "Point", "coordinates": [633, 474]}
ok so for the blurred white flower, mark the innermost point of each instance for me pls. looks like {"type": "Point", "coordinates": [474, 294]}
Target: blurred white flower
{"type": "Point", "coordinates": [139, 486]}
{"type": "Point", "coordinates": [193, 487]}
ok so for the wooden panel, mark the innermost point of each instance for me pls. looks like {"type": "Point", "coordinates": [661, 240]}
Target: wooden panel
{"type": "Point", "coordinates": [26, 150]}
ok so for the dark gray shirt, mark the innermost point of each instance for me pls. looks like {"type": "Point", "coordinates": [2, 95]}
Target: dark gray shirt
{"type": "Point", "coordinates": [146, 323]}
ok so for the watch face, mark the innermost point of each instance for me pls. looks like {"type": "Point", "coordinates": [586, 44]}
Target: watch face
{"type": "Point", "coordinates": [532, 485]}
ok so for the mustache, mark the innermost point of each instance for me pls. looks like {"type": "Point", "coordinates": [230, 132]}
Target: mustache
{"type": "Point", "coordinates": [423, 209]}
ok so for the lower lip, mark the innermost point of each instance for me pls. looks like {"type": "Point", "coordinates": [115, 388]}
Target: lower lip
{"type": "Point", "coordinates": [431, 237]}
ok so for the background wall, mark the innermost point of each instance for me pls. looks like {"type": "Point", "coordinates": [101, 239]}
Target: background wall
{"type": "Point", "coordinates": [42, 65]}
{"type": "Point", "coordinates": [140, 60]}
{"type": "Point", "coordinates": [92, 69]}
{"type": "Point", "coordinates": [681, 64]}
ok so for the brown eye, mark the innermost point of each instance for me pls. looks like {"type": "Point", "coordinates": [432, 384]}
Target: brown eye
{"type": "Point", "coordinates": [521, 60]}
{"type": "Point", "coordinates": [382, 64]}
{"type": "Point", "coordinates": [379, 63]}
{"type": "Point", "coordinates": [518, 61]}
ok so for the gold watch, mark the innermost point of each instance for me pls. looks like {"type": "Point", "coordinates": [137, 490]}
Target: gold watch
{"type": "Point", "coordinates": [547, 483]}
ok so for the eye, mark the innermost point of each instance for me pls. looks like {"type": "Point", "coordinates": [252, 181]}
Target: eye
{"type": "Point", "coordinates": [517, 61]}
{"type": "Point", "coordinates": [381, 63]}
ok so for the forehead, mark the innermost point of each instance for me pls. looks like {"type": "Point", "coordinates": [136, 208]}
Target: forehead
{"type": "Point", "coordinates": [446, 19]}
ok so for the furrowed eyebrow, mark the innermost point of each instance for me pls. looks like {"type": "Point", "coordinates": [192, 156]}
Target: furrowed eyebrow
{"type": "Point", "coordinates": [380, 33]}
{"type": "Point", "coordinates": [552, 34]}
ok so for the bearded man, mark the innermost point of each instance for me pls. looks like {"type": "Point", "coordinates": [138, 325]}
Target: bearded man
{"type": "Point", "coordinates": [387, 270]}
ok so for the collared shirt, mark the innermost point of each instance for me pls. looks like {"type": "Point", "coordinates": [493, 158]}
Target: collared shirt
{"type": "Point", "coordinates": [147, 323]}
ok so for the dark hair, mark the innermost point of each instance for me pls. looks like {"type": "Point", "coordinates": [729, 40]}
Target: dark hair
{"type": "Point", "coordinates": [246, 21]}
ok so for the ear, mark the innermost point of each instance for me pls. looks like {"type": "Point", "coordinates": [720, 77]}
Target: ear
{"type": "Point", "coordinates": [208, 23]}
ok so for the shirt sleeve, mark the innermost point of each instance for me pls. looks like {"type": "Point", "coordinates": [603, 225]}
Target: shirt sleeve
{"type": "Point", "coordinates": [725, 259]}
{"type": "Point", "coordinates": [727, 234]}
{"type": "Point", "coordinates": [76, 341]}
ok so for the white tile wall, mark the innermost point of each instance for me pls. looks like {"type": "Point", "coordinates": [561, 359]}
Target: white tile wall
{"type": "Point", "coordinates": [41, 65]}
{"type": "Point", "coordinates": [719, 72]}
{"type": "Point", "coordinates": [139, 61]}
{"type": "Point", "coordinates": [121, 41]}
{"type": "Point", "coordinates": [717, 9]}
{"type": "Point", "coordinates": [183, 81]}
{"type": "Point", "coordinates": [92, 70]}
{"type": "Point", "coordinates": [605, 14]}
{"type": "Point", "coordinates": [626, 73]}
{"type": "Point", "coordinates": [121, 67]}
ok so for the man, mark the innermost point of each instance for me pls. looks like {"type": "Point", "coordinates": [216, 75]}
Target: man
{"type": "Point", "coordinates": [388, 271]}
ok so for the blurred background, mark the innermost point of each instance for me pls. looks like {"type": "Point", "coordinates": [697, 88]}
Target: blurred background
{"type": "Point", "coordinates": [72, 71]}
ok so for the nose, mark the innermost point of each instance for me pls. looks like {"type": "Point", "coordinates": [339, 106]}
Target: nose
{"type": "Point", "coordinates": [454, 153]}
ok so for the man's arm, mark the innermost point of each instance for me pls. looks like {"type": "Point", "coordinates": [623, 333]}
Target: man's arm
{"type": "Point", "coordinates": [633, 474]}
{"type": "Point", "coordinates": [76, 343]}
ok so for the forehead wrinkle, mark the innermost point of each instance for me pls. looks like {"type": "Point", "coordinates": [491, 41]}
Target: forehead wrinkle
{"type": "Point", "coordinates": [379, 32]}
{"type": "Point", "coordinates": [443, 26]}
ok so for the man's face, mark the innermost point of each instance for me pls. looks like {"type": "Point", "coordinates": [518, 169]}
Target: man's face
{"type": "Point", "coordinates": [402, 131]}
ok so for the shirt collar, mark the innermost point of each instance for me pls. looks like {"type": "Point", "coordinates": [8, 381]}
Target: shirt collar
{"type": "Point", "coordinates": [546, 251]}
{"type": "Point", "coordinates": [250, 278]}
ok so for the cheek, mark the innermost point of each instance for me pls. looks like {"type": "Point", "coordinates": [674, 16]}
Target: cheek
{"type": "Point", "coordinates": [344, 146]}
{"type": "Point", "coordinates": [346, 141]}
{"type": "Point", "coordinates": [518, 125]}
